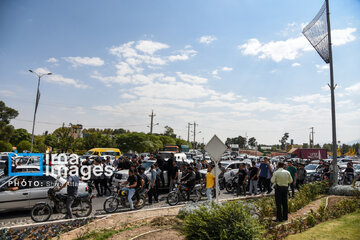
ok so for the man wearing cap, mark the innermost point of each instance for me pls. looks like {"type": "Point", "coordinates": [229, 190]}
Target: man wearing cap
{"type": "Point", "coordinates": [281, 178]}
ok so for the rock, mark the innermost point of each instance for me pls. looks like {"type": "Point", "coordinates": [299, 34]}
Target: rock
{"type": "Point", "coordinates": [345, 190]}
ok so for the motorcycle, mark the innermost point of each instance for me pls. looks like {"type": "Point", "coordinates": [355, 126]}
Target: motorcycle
{"type": "Point", "coordinates": [42, 211]}
{"type": "Point", "coordinates": [232, 184]}
{"type": "Point", "coordinates": [180, 194]}
{"type": "Point", "coordinates": [112, 203]}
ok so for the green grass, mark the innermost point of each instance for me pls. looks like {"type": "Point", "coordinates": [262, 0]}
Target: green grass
{"type": "Point", "coordinates": [345, 227]}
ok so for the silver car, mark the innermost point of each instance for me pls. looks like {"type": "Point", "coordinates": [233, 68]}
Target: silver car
{"type": "Point", "coordinates": [23, 192]}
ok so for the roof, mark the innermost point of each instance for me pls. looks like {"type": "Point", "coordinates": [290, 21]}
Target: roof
{"type": "Point", "coordinates": [292, 150]}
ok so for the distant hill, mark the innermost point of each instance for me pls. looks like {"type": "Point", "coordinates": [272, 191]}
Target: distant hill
{"type": "Point", "coordinates": [353, 142]}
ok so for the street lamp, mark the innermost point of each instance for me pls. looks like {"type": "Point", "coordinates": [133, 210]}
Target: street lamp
{"type": "Point", "coordinates": [36, 103]}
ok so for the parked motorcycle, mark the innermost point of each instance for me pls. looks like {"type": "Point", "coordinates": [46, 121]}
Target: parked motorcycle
{"type": "Point", "coordinates": [42, 211]}
{"type": "Point", "coordinates": [180, 194]}
{"type": "Point", "coordinates": [112, 203]}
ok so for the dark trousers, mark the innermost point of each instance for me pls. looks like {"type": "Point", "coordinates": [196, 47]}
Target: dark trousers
{"type": "Point", "coordinates": [99, 187]}
{"type": "Point", "coordinates": [69, 202]}
{"type": "Point", "coordinates": [292, 188]}
{"type": "Point", "coordinates": [153, 192]}
{"type": "Point", "coordinates": [299, 183]}
{"type": "Point", "coordinates": [105, 186]}
{"type": "Point", "coordinates": [241, 188]}
{"type": "Point", "coordinates": [264, 184]}
{"type": "Point", "coordinates": [281, 200]}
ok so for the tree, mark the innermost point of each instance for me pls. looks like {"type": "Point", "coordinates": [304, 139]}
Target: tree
{"type": "Point", "coordinates": [169, 131]}
{"type": "Point", "coordinates": [23, 146]}
{"type": "Point", "coordinates": [64, 135]}
{"type": "Point", "coordinates": [19, 135]}
{"type": "Point", "coordinates": [6, 114]}
{"type": "Point", "coordinates": [305, 145]}
{"type": "Point", "coordinates": [237, 140]}
{"type": "Point", "coordinates": [252, 142]}
{"type": "Point", "coordinates": [283, 140]}
{"type": "Point", "coordinates": [51, 141]}
{"type": "Point", "coordinates": [5, 146]}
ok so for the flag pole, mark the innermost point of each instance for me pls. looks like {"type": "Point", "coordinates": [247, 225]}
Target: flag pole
{"type": "Point", "coordinates": [332, 90]}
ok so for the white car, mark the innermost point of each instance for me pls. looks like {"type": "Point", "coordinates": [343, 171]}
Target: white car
{"type": "Point", "coordinates": [32, 189]}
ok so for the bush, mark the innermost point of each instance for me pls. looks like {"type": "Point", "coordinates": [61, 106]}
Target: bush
{"type": "Point", "coordinates": [341, 190]}
{"type": "Point", "coordinates": [231, 220]}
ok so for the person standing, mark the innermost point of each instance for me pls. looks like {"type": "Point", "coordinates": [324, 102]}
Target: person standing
{"type": "Point", "coordinates": [253, 178]}
{"type": "Point", "coordinates": [281, 178]}
{"type": "Point", "coordinates": [293, 173]}
{"type": "Point", "coordinates": [264, 176]}
{"type": "Point", "coordinates": [152, 185]}
{"type": "Point", "coordinates": [210, 183]}
{"type": "Point", "coordinates": [301, 174]}
{"type": "Point", "coordinates": [173, 176]}
{"type": "Point", "coordinates": [242, 176]}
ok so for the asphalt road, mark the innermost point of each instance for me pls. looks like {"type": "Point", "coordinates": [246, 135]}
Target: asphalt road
{"type": "Point", "coordinates": [23, 217]}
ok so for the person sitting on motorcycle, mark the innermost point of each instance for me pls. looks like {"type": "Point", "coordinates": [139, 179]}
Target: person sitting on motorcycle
{"type": "Point", "coordinates": [130, 183]}
{"type": "Point", "coordinates": [189, 181]}
{"type": "Point", "coordinates": [72, 184]}
{"type": "Point", "coordinates": [139, 187]}
{"type": "Point", "coordinates": [242, 176]}
{"type": "Point", "coordinates": [349, 173]}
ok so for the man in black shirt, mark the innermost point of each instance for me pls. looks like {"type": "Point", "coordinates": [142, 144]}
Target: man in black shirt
{"type": "Point", "coordinates": [253, 178]}
{"type": "Point", "coordinates": [170, 167]}
{"type": "Point", "coordinates": [160, 164]}
{"type": "Point", "coordinates": [189, 181]}
{"type": "Point", "coordinates": [174, 175]}
{"type": "Point", "coordinates": [349, 173]}
{"type": "Point", "coordinates": [242, 176]}
{"type": "Point", "coordinates": [130, 183]}
{"type": "Point", "coordinates": [139, 186]}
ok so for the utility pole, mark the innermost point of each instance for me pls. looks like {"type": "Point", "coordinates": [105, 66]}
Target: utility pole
{"type": "Point", "coordinates": [312, 138]}
{"type": "Point", "coordinates": [152, 121]}
{"type": "Point", "coordinates": [195, 134]}
{"type": "Point", "coordinates": [188, 127]}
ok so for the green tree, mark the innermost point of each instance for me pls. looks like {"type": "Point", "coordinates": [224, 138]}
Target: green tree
{"type": "Point", "coordinates": [252, 142]}
{"type": "Point", "coordinates": [65, 137]}
{"type": "Point", "coordinates": [6, 114]}
{"type": "Point", "coordinates": [169, 131]}
{"type": "Point", "coordinates": [5, 146]}
{"type": "Point", "coordinates": [39, 144]}
{"type": "Point", "coordinates": [305, 145]}
{"type": "Point", "coordinates": [241, 141]}
{"type": "Point", "coordinates": [23, 146]}
{"type": "Point", "coordinates": [51, 141]}
{"type": "Point", "coordinates": [19, 135]}
{"type": "Point", "coordinates": [283, 140]}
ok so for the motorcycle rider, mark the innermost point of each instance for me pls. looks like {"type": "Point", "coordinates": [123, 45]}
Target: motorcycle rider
{"type": "Point", "coordinates": [189, 181]}
{"type": "Point", "coordinates": [131, 185]}
{"type": "Point", "coordinates": [140, 185]}
{"type": "Point", "coordinates": [242, 176]}
{"type": "Point", "coordinates": [72, 184]}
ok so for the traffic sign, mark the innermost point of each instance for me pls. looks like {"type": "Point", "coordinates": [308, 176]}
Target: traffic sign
{"type": "Point", "coordinates": [215, 148]}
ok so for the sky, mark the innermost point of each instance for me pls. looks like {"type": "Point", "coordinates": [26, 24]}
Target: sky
{"type": "Point", "coordinates": [235, 67]}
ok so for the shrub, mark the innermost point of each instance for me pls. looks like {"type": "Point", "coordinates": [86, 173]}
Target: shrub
{"type": "Point", "coordinates": [5, 146]}
{"type": "Point", "coordinates": [231, 220]}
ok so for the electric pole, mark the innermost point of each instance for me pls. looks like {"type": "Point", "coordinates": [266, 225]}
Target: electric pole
{"type": "Point", "coordinates": [195, 132]}
{"type": "Point", "coordinates": [152, 121]}
{"type": "Point", "coordinates": [188, 127]}
{"type": "Point", "coordinates": [312, 138]}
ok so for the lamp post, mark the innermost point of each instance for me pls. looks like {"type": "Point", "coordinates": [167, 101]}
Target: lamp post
{"type": "Point", "coordinates": [36, 103]}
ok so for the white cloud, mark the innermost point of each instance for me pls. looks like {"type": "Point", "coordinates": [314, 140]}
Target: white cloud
{"type": "Point", "coordinates": [310, 99]}
{"type": "Point", "coordinates": [291, 48]}
{"type": "Point", "coordinates": [321, 68]}
{"type": "Point", "coordinates": [6, 93]}
{"type": "Point", "coordinates": [207, 39]}
{"type": "Point", "coordinates": [79, 61]}
{"type": "Point", "coordinates": [52, 60]}
{"type": "Point", "coordinates": [191, 78]}
{"type": "Point", "coordinates": [343, 36]}
{"type": "Point", "coordinates": [353, 89]}
{"type": "Point", "coordinates": [227, 69]}
{"type": "Point", "coordinates": [128, 96]}
{"type": "Point", "coordinates": [150, 47]}
{"type": "Point", "coordinates": [296, 64]}
{"type": "Point", "coordinates": [59, 79]}
{"type": "Point", "coordinates": [183, 55]}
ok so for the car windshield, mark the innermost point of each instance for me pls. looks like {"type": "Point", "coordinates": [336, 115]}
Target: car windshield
{"type": "Point", "coordinates": [4, 179]}
{"type": "Point", "coordinates": [146, 165]}
{"type": "Point", "coordinates": [311, 167]}
{"type": "Point", "coordinates": [357, 166]}
{"type": "Point", "coordinates": [224, 164]}
{"type": "Point", "coordinates": [108, 153]}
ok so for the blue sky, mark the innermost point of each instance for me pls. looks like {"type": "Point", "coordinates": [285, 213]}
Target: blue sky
{"type": "Point", "coordinates": [234, 67]}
